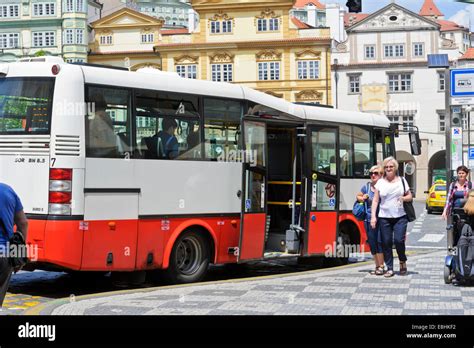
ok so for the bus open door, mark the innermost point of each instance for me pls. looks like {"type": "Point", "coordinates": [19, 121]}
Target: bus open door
{"type": "Point", "coordinates": [322, 158]}
{"type": "Point", "coordinates": [254, 192]}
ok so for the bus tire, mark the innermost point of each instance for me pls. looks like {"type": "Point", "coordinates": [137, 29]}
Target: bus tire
{"type": "Point", "coordinates": [189, 259]}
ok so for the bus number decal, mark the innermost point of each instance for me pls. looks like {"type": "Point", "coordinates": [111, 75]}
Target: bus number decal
{"type": "Point", "coordinates": [53, 161]}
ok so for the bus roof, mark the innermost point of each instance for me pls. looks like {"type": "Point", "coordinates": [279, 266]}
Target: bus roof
{"type": "Point", "coordinates": [173, 83]}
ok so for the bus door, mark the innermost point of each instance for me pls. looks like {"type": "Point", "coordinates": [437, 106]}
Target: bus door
{"type": "Point", "coordinates": [254, 192]}
{"type": "Point", "coordinates": [323, 190]}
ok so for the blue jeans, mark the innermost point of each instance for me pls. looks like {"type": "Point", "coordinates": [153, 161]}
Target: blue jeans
{"type": "Point", "coordinates": [393, 230]}
{"type": "Point", "coordinates": [374, 238]}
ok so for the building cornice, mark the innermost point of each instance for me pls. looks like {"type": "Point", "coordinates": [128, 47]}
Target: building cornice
{"type": "Point", "coordinates": [31, 23]}
{"type": "Point", "coordinates": [323, 41]}
{"type": "Point", "coordinates": [210, 6]}
{"type": "Point", "coordinates": [381, 65]}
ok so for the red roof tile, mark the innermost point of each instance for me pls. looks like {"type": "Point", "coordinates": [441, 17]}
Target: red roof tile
{"type": "Point", "coordinates": [449, 26]}
{"type": "Point", "coordinates": [303, 3]}
{"type": "Point", "coordinates": [352, 18]}
{"type": "Point", "coordinates": [299, 24]}
{"type": "Point", "coordinates": [175, 31]}
{"type": "Point", "coordinates": [429, 8]}
{"type": "Point", "coordinates": [469, 55]}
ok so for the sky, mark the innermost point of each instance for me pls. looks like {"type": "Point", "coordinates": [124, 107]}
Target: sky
{"type": "Point", "coordinates": [455, 11]}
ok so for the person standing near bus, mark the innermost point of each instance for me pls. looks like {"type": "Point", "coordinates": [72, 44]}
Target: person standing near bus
{"type": "Point", "coordinates": [11, 213]}
{"type": "Point", "coordinates": [391, 191]}
{"type": "Point", "coordinates": [373, 234]}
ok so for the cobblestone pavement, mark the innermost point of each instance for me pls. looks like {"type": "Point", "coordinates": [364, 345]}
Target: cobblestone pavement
{"type": "Point", "coordinates": [347, 290]}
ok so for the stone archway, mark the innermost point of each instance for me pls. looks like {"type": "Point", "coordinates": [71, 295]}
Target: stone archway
{"type": "Point", "coordinates": [403, 159]}
{"type": "Point", "coordinates": [436, 166]}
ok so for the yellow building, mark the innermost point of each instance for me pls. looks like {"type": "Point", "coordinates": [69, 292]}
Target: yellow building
{"type": "Point", "coordinates": [255, 43]}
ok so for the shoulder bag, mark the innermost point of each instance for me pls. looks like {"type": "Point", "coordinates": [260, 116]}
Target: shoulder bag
{"type": "Point", "coordinates": [408, 206]}
{"type": "Point", "coordinates": [359, 210]}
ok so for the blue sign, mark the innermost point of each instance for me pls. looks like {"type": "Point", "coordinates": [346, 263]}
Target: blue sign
{"type": "Point", "coordinates": [332, 202]}
{"type": "Point", "coordinates": [456, 131]}
{"type": "Point", "coordinates": [462, 82]}
{"type": "Point", "coordinates": [471, 153]}
{"type": "Point", "coordinates": [248, 204]}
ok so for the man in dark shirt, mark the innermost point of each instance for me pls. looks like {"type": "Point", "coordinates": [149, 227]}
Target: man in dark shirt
{"type": "Point", "coordinates": [11, 213]}
{"type": "Point", "coordinates": [169, 143]}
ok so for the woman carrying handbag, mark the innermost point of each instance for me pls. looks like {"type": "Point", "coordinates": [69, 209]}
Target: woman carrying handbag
{"type": "Point", "coordinates": [392, 193]}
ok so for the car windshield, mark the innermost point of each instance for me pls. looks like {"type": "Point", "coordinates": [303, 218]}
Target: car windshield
{"type": "Point", "coordinates": [25, 105]}
{"type": "Point", "coordinates": [440, 188]}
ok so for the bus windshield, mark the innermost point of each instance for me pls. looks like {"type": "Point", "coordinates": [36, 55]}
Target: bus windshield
{"type": "Point", "coordinates": [25, 105]}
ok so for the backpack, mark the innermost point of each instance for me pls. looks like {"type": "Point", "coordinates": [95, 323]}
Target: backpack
{"type": "Point", "coordinates": [465, 254]}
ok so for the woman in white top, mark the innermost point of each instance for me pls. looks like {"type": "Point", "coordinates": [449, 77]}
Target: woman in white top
{"type": "Point", "coordinates": [391, 191]}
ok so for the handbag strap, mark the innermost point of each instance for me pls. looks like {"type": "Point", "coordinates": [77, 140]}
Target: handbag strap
{"type": "Point", "coordinates": [403, 183]}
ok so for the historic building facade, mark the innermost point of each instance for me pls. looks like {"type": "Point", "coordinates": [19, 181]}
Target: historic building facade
{"type": "Point", "coordinates": [382, 67]}
{"type": "Point", "coordinates": [50, 27]}
{"type": "Point", "coordinates": [257, 44]}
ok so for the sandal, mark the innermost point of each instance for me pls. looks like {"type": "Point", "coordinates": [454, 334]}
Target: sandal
{"type": "Point", "coordinates": [379, 271]}
{"type": "Point", "coordinates": [403, 268]}
{"type": "Point", "coordinates": [389, 274]}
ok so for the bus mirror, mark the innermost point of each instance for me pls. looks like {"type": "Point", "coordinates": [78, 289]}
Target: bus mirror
{"type": "Point", "coordinates": [415, 143]}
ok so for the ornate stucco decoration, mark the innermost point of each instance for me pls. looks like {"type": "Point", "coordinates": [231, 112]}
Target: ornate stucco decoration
{"type": "Point", "coordinates": [268, 55]}
{"type": "Point", "coordinates": [448, 44]}
{"type": "Point", "coordinates": [146, 65]}
{"type": "Point", "coordinates": [186, 59]}
{"type": "Point", "coordinates": [278, 95]}
{"type": "Point", "coordinates": [308, 54]}
{"type": "Point", "coordinates": [267, 13]}
{"type": "Point", "coordinates": [224, 57]}
{"type": "Point", "coordinates": [341, 47]}
{"type": "Point", "coordinates": [309, 94]}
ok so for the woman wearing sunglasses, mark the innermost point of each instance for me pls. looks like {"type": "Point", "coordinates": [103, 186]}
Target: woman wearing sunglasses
{"type": "Point", "coordinates": [391, 191]}
{"type": "Point", "coordinates": [373, 234]}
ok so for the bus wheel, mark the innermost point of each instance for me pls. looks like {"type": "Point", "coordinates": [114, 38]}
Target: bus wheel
{"type": "Point", "coordinates": [189, 259]}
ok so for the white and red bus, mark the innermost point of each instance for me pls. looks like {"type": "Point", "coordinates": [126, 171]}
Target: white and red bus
{"type": "Point", "coordinates": [109, 185]}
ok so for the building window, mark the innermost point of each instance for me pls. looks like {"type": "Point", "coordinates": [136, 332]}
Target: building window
{"type": "Point", "coordinates": [408, 121]}
{"type": "Point", "coordinates": [79, 5]}
{"type": "Point", "coordinates": [271, 24]}
{"type": "Point", "coordinates": [44, 9]}
{"type": "Point", "coordinates": [69, 39]}
{"type": "Point", "coordinates": [308, 69]}
{"type": "Point", "coordinates": [268, 71]}
{"type": "Point", "coordinates": [441, 82]}
{"type": "Point", "coordinates": [106, 40]}
{"type": "Point", "coordinates": [442, 121]}
{"type": "Point", "coordinates": [10, 40]}
{"type": "Point", "coordinates": [44, 39]}
{"type": "Point", "coordinates": [227, 26]}
{"type": "Point", "coordinates": [79, 36]}
{"type": "Point", "coordinates": [354, 84]}
{"type": "Point", "coordinates": [69, 5]}
{"type": "Point", "coordinates": [418, 50]}
{"type": "Point", "coordinates": [215, 27]}
{"type": "Point", "coordinates": [400, 82]}
{"type": "Point", "coordinates": [187, 71]}
{"type": "Point", "coordinates": [9, 11]}
{"type": "Point", "coordinates": [370, 52]}
{"type": "Point", "coordinates": [221, 72]}
{"type": "Point", "coordinates": [394, 51]}
{"type": "Point", "coordinates": [148, 38]}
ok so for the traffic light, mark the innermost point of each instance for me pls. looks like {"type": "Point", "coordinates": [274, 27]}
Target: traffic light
{"type": "Point", "coordinates": [354, 5]}
{"type": "Point", "coordinates": [456, 119]}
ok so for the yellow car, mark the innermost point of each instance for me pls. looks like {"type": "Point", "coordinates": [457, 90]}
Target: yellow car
{"type": "Point", "coordinates": [436, 198]}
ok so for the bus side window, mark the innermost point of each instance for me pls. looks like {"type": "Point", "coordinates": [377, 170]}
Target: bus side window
{"type": "Point", "coordinates": [108, 122]}
{"type": "Point", "coordinates": [167, 126]}
{"type": "Point", "coordinates": [221, 128]}
{"type": "Point", "coordinates": [356, 153]}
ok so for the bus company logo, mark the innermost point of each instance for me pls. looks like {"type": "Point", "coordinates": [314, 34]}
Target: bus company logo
{"type": "Point", "coordinates": [37, 331]}
{"type": "Point", "coordinates": [238, 156]}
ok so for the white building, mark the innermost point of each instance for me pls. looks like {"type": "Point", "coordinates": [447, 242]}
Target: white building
{"type": "Point", "coordinates": [382, 67]}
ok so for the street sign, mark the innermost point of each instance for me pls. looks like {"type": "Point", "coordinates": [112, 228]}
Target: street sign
{"type": "Point", "coordinates": [471, 153]}
{"type": "Point", "coordinates": [462, 86]}
{"type": "Point", "coordinates": [456, 147]}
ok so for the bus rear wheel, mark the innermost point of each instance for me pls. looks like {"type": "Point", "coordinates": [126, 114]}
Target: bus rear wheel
{"type": "Point", "coordinates": [189, 258]}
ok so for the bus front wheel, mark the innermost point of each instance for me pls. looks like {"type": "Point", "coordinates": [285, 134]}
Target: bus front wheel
{"type": "Point", "coordinates": [189, 258]}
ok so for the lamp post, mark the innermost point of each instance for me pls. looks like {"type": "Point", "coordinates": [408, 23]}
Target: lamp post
{"type": "Point", "coordinates": [336, 79]}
